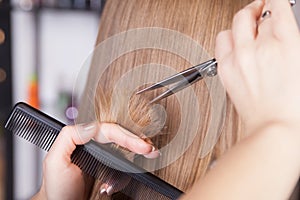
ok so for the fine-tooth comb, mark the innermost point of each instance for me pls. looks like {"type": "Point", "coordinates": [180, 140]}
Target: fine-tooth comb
{"type": "Point", "coordinates": [94, 159]}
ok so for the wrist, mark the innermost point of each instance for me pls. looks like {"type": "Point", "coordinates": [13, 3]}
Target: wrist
{"type": "Point", "coordinates": [286, 126]}
{"type": "Point", "coordinates": [285, 136]}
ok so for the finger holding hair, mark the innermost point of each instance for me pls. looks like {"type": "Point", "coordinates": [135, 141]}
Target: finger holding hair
{"type": "Point", "coordinates": [244, 26]}
{"type": "Point", "coordinates": [282, 21]}
{"type": "Point", "coordinates": [70, 136]}
{"type": "Point", "coordinates": [114, 133]}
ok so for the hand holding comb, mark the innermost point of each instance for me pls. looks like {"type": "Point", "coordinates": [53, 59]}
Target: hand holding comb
{"type": "Point", "coordinates": [92, 158]}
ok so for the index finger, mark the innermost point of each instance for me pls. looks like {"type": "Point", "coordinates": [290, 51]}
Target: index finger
{"type": "Point", "coordinates": [283, 21]}
{"type": "Point", "coordinates": [70, 136]}
{"type": "Point", "coordinates": [110, 132]}
{"type": "Point", "coordinates": [244, 25]}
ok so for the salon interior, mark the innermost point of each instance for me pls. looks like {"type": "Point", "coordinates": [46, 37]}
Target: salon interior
{"type": "Point", "coordinates": [43, 46]}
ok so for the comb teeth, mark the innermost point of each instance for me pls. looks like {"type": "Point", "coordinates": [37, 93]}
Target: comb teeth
{"type": "Point", "coordinates": [27, 125]}
{"type": "Point", "coordinates": [88, 163]}
{"type": "Point", "coordinates": [97, 160]}
{"type": "Point", "coordinates": [143, 191]}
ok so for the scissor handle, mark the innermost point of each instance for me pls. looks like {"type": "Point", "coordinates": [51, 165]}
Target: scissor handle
{"type": "Point", "coordinates": [292, 2]}
{"type": "Point", "coordinates": [208, 68]}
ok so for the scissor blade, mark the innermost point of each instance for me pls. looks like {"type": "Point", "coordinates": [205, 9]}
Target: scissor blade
{"type": "Point", "coordinates": [187, 81]}
{"type": "Point", "coordinates": [199, 69]}
{"type": "Point", "coordinates": [172, 79]}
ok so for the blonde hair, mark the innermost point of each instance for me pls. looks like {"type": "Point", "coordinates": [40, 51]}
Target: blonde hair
{"type": "Point", "coordinates": [198, 20]}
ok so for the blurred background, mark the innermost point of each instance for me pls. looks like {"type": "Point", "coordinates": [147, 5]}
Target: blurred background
{"type": "Point", "coordinates": [43, 44]}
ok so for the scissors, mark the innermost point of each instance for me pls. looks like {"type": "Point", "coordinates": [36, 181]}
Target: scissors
{"type": "Point", "coordinates": [183, 79]}
{"type": "Point", "coordinates": [191, 75]}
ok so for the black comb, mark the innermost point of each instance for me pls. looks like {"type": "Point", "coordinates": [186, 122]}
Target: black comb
{"type": "Point", "coordinates": [92, 158]}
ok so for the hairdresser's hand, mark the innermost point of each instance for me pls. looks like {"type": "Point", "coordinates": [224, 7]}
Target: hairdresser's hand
{"type": "Point", "coordinates": [64, 180]}
{"type": "Point", "coordinates": [259, 64]}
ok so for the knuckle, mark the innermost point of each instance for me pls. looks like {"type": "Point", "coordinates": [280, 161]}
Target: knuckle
{"type": "Point", "coordinates": [241, 15]}
{"type": "Point", "coordinates": [221, 39]}
{"type": "Point", "coordinates": [108, 137]}
{"type": "Point", "coordinates": [105, 131]}
{"type": "Point", "coordinates": [67, 129]}
{"type": "Point", "coordinates": [68, 133]}
{"type": "Point", "coordinates": [221, 36]}
{"type": "Point", "coordinates": [126, 143]}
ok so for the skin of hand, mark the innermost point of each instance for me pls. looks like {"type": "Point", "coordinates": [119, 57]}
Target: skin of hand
{"type": "Point", "coordinates": [259, 67]}
{"type": "Point", "coordinates": [64, 180]}
{"type": "Point", "coordinates": [259, 64]}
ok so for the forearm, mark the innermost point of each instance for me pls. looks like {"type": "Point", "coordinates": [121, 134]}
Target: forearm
{"type": "Point", "coordinates": [266, 165]}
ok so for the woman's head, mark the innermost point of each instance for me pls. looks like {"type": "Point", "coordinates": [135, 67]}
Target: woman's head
{"type": "Point", "coordinates": [143, 41]}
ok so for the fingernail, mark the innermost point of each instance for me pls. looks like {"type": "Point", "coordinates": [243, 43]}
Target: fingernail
{"type": "Point", "coordinates": [109, 190]}
{"type": "Point", "coordinates": [106, 189]}
{"type": "Point", "coordinates": [87, 131]}
{"type": "Point", "coordinates": [153, 154]}
{"type": "Point", "coordinates": [148, 140]}
{"type": "Point", "coordinates": [102, 189]}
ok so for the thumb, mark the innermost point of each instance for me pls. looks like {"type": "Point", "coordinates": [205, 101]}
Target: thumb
{"type": "Point", "coordinates": [70, 136]}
